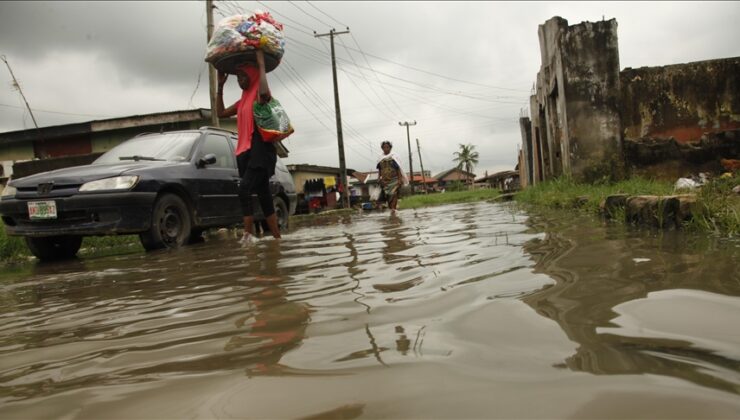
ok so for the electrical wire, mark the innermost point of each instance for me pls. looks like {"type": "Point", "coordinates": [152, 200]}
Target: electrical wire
{"type": "Point", "coordinates": [325, 14]}
{"type": "Point", "coordinates": [310, 15]}
{"type": "Point", "coordinates": [56, 112]}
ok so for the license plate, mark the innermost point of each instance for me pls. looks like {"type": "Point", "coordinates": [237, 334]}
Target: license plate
{"type": "Point", "coordinates": [42, 210]}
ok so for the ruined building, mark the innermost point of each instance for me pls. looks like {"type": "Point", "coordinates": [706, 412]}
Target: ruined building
{"type": "Point", "coordinates": [589, 120]}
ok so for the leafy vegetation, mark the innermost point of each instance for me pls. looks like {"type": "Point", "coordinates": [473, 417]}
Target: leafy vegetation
{"type": "Point", "coordinates": [13, 249]}
{"type": "Point", "coordinates": [717, 207]}
{"type": "Point", "coordinates": [448, 197]}
{"type": "Point", "coordinates": [466, 158]}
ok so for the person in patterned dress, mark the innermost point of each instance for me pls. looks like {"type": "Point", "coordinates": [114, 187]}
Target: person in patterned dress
{"type": "Point", "coordinates": [390, 175]}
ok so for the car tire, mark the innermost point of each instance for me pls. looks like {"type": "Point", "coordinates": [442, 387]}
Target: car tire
{"type": "Point", "coordinates": [281, 210]}
{"type": "Point", "coordinates": [49, 248]}
{"type": "Point", "coordinates": [170, 226]}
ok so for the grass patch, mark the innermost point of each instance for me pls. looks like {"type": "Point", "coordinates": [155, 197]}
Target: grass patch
{"type": "Point", "coordinates": [12, 248]}
{"type": "Point", "coordinates": [448, 197]}
{"type": "Point", "coordinates": [717, 209]}
{"type": "Point", "coordinates": [99, 246]}
{"type": "Point", "coordinates": [564, 193]}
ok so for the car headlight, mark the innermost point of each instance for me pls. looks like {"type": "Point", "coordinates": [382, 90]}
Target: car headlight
{"type": "Point", "coordinates": [117, 183]}
{"type": "Point", "coordinates": [8, 192]}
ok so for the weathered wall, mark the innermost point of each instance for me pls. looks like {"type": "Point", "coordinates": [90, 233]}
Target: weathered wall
{"type": "Point", "coordinates": [526, 174]}
{"type": "Point", "coordinates": [681, 101]}
{"type": "Point", "coordinates": [575, 125]}
{"type": "Point", "coordinates": [591, 87]}
{"type": "Point", "coordinates": [681, 119]}
{"type": "Point", "coordinates": [17, 151]}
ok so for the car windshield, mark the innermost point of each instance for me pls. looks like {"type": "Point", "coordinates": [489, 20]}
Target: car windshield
{"type": "Point", "coordinates": [174, 147]}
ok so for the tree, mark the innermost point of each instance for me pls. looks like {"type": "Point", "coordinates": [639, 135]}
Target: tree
{"type": "Point", "coordinates": [466, 158]}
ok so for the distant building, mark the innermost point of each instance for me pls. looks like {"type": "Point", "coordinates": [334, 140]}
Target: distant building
{"type": "Point", "coordinates": [454, 174]}
{"type": "Point", "coordinates": [505, 180]}
{"type": "Point", "coordinates": [316, 186]}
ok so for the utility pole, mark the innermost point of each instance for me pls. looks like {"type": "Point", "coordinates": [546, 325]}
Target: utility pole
{"type": "Point", "coordinates": [211, 70]}
{"type": "Point", "coordinates": [18, 85]}
{"type": "Point", "coordinates": [340, 140]}
{"type": "Point", "coordinates": [423, 177]}
{"type": "Point", "coordinates": [408, 140]}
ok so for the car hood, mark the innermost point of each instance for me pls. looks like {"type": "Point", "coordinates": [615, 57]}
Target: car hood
{"type": "Point", "coordinates": [86, 173]}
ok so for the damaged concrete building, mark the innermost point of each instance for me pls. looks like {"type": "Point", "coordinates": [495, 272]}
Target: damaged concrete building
{"type": "Point", "coordinates": [591, 121]}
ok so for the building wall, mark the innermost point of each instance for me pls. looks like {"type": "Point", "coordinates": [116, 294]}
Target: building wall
{"type": "Point", "coordinates": [17, 151]}
{"type": "Point", "coordinates": [682, 101]}
{"type": "Point", "coordinates": [299, 178]}
{"type": "Point", "coordinates": [681, 119]}
{"type": "Point", "coordinates": [574, 112]}
{"type": "Point", "coordinates": [525, 154]}
{"type": "Point", "coordinates": [592, 145]}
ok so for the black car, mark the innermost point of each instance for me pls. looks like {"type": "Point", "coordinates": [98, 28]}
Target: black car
{"type": "Point", "coordinates": [167, 187]}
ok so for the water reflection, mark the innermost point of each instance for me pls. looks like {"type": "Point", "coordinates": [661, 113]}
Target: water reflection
{"type": "Point", "coordinates": [438, 312]}
{"type": "Point", "coordinates": [601, 271]}
{"type": "Point", "coordinates": [272, 325]}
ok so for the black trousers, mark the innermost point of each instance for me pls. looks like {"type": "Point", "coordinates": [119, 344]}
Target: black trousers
{"type": "Point", "coordinates": [254, 181]}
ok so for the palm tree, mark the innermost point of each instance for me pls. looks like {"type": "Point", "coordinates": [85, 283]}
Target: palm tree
{"type": "Point", "coordinates": [467, 157]}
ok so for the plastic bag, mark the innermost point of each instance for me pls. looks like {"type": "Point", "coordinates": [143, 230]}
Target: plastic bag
{"type": "Point", "coordinates": [272, 121]}
{"type": "Point", "coordinates": [245, 33]}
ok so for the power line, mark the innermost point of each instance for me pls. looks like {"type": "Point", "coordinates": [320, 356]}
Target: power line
{"type": "Point", "coordinates": [322, 12]}
{"type": "Point", "coordinates": [56, 112]}
{"type": "Point", "coordinates": [310, 15]}
{"type": "Point", "coordinates": [368, 82]}
{"type": "Point", "coordinates": [272, 10]}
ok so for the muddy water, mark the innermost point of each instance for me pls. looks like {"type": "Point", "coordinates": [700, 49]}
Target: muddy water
{"type": "Point", "coordinates": [464, 311]}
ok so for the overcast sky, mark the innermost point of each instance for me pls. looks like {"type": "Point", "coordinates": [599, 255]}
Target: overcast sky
{"type": "Point", "coordinates": [462, 70]}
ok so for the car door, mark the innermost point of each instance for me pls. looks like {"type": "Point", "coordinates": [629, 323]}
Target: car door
{"type": "Point", "coordinates": [218, 183]}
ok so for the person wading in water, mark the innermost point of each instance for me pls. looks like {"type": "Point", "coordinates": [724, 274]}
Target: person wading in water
{"type": "Point", "coordinates": [255, 158]}
{"type": "Point", "coordinates": [390, 175]}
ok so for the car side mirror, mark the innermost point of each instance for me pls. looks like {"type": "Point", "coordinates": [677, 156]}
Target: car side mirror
{"type": "Point", "coordinates": [208, 159]}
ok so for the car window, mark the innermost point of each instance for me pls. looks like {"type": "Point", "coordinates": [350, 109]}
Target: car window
{"type": "Point", "coordinates": [166, 146]}
{"type": "Point", "coordinates": [219, 146]}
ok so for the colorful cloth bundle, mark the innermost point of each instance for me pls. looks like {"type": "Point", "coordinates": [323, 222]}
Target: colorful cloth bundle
{"type": "Point", "coordinates": [245, 33]}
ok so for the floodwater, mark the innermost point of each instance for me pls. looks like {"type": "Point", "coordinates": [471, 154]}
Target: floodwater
{"type": "Point", "coordinates": [460, 311]}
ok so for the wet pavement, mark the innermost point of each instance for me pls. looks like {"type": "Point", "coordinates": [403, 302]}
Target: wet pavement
{"type": "Point", "coordinates": [459, 311]}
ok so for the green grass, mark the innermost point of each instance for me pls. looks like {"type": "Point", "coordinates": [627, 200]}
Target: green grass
{"type": "Point", "coordinates": [565, 193]}
{"type": "Point", "coordinates": [448, 197]}
{"type": "Point", "coordinates": [13, 249]}
{"type": "Point", "coordinates": [717, 210]}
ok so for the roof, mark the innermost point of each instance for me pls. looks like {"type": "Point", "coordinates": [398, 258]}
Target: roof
{"type": "Point", "coordinates": [498, 175]}
{"type": "Point", "coordinates": [329, 170]}
{"type": "Point", "coordinates": [449, 171]}
{"type": "Point", "coordinates": [66, 130]}
{"type": "Point", "coordinates": [427, 179]}
{"type": "Point", "coordinates": [120, 123]}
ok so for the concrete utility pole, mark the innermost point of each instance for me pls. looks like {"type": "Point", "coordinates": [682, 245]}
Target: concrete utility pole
{"type": "Point", "coordinates": [408, 140]}
{"type": "Point", "coordinates": [212, 87]}
{"type": "Point", "coordinates": [423, 177]}
{"type": "Point", "coordinates": [340, 140]}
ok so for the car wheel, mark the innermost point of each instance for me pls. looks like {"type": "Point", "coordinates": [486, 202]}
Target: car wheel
{"type": "Point", "coordinates": [170, 224]}
{"type": "Point", "coordinates": [281, 210]}
{"type": "Point", "coordinates": [50, 248]}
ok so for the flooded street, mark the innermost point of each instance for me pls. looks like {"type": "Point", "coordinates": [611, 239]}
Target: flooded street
{"type": "Point", "coordinates": [457, 311]}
